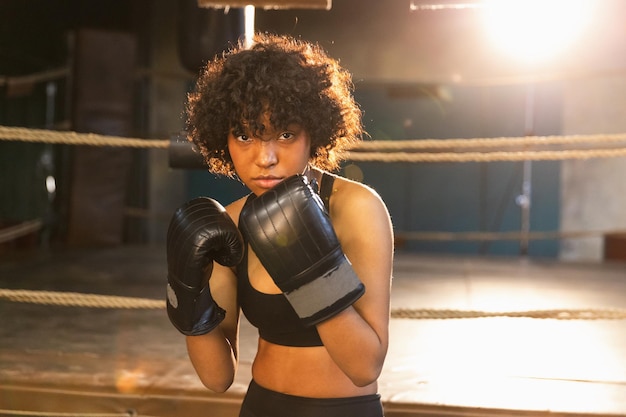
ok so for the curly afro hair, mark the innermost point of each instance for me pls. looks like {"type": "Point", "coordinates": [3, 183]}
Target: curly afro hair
{"type": "Point", "coordinates": [294, 80]}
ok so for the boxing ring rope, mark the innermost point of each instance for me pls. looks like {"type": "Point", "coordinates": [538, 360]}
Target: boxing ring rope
{"type": "Point", "coordinates": [388, 151]}
{"type": "Point", "coordinates": [365, 151]}
{"type": "Point", "coordinates": [486, 156]}
{"type": "Point", "coordinates": [13, 413]}
{"type": "Point", "coordinates": [73, 299]}
{"type": "Point", "coordinates": [29, 80]}
{"type": "Point", "coordinates": [56, 137]}
{"type": "Point", "coordinates": [22, 229]}
{"type": "Point", "coordinates": [381, 151]}
{"type": "Point", "coordinates": [493, 236]}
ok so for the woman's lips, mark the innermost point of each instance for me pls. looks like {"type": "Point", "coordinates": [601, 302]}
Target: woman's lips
{"type": "Point", "coordinates": [267, 182]}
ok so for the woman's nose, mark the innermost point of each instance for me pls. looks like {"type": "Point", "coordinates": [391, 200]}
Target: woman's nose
{"type": "Point", "coordinates": [266, 154]}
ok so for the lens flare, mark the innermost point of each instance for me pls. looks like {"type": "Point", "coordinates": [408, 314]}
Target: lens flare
{"type": "Point", "coordinates": [536, 30]}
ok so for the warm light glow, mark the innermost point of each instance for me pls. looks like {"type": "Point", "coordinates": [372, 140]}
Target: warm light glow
{"type": "Point", "coordinates": [508, 363]}
{"type": "Point", "coordinates": [536, 30]}
{"type": "Point", "coordinates": [129, 381]}
{"type": "Point", "coordinates": [248, 13]}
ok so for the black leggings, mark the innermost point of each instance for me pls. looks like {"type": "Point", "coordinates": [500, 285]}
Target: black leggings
{"type": "Point", "coordinates": [261, 402]}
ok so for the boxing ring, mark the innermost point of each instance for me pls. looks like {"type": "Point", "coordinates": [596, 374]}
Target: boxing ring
{"type": "Point", "coordinates": [84, 332]}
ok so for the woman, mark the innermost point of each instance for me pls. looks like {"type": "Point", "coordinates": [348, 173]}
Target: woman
{"type": "Point", "coordinates": [278, 116]}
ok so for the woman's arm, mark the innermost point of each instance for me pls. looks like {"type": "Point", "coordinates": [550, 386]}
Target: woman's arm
{"type": "Point", "coordinates": [214, 355]}
{"type": "Point", "coordinates": [357, 338]}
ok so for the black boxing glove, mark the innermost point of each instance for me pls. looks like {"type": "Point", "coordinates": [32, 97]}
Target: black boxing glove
{"type": "Point", "coordinates": [291, 234]}
{"type": "Point", "coordinates": [199, 233]}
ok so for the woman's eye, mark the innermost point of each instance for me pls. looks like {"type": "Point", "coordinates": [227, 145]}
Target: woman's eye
{"type": "Point", "coordinates": [242, 137]}
{"type": "Point", "coordinates": [286, 136]}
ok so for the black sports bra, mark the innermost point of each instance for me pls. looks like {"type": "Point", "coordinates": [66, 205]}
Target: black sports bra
{"type": "Point", "coordinates": [272, 314]}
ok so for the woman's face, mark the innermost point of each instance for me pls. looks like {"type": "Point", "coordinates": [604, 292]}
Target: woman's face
{"type": "Point", "coordinates": [263, 161]}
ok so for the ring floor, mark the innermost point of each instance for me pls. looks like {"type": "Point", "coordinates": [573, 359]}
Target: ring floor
{"type": "Point", "coordinates": [131, 362]}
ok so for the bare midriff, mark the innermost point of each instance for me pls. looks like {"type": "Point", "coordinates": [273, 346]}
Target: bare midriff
{"type": "Point", "coordinates": [303, 371]}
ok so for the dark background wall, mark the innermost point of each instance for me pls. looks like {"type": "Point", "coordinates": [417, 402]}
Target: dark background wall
{"type": "Point", "coordinates": [417, 75]}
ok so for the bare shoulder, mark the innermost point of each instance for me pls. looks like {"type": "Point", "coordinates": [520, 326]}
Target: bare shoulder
{"type": "Point", "coordinates": [351, 198]}
{"type": "Point", "coordinates": [355, 209]}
